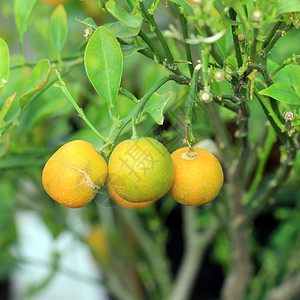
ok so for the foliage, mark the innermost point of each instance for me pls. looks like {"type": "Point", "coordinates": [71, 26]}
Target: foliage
{"type": "Point", "coordinates": [179, 71]}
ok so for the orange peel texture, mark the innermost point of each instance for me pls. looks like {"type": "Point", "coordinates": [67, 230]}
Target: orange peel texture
{"type": "Point", "coordinates": [126, 204]}
{"type": "Point", "coordinates": [198, 176]}
{"type": "Point", "coordinates": [74, 173]}
{"type": "Point", "coordinates": [140, 170]}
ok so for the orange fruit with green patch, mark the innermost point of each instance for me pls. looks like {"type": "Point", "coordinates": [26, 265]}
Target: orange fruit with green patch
{"type": "Point", "coordinates": [140, 170]}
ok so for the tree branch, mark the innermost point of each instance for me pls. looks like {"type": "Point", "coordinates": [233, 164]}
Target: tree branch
{"type": "Point", "coordinates": [195, 246]}
{"type": "Point", "coordinates": [158, 33]}
{"type": "Point", "coordinates": [237, 280]}
{"type": "Point", "coordinates": [236, 43]}
{"type": "Point", "coordinates": [271, 33]}
{"type": "Point", "coordinates": [186, 36]}
{"type": "Point", "coordinates": [220, 132]}
{"type": "Point", "coordinates": [258, 205]}
{"type": "Point", "coordinates": [288, 290]}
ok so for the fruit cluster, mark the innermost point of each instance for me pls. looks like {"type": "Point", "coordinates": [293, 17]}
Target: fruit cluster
{"type": "Point", "coordinates": [139, 172]}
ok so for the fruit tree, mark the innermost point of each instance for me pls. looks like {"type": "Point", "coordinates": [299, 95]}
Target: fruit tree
{"type": "Point", "coordinates": [170, 129]}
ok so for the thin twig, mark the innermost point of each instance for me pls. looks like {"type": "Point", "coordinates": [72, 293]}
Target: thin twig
{"type": "Point", "coordinates": [236, 43]}
{"type": "Point", "coordinates": [80, 111]}
{"type": "Point", "coordinates": [156, 51]}
{"type": "Point", "coordinates": [185, 37]}
{"type": "Point", "coordinates": [158, 32]}
{"type": "Point", "coordinates": [275, 38]}
{"type": "Point", "coordinates": [254, 45]}
{"type": "Point", "coordinates": [213, 50]}
{"type": "Point", "coordinates": [264, 154]}
{"type": "Point", "coordinates": [220, 132]}
{"type": "Point", "coordinates": [269, 109]}
{"type": "Point", "coordinates": [257, 206]}
{"type": "Point", "coordinates": [271, 34]}
{"type": "Point", "coordinates": [52, 61]}
{"type": "Point", "coordinates": [226, 104]}
{"type": "Point", "coordinates": [286, 63]}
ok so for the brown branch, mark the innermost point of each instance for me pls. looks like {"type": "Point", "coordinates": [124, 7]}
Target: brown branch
{"type": "Point", "coordinates": [237, 280]}
{"type": "Point", "coordinates": [195, 247]}
{"type": "Point", "coordinates": [288, 290]}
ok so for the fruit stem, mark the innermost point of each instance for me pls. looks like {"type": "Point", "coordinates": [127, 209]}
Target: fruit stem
{"type": "Point", "coordinates": [81, 113]}
{"type": "Point", "coordinates": [190, 155]}
{"type": "Point", "coordinates": [193, 94]}
{"type": "Point", "coordinates": [115, 132]}
{"type": "Point", "coordinates": [134, 133]}
{"type": "Point", "coordinates": [186, 135]}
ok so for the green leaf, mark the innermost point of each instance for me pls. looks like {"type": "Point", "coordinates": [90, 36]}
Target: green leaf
{"type": "Point", "coordinates": [229, 21]}
{"type": "Point", "coordinates": [282, 92]}
{"type": "Point", "coordinates": [4, 109]}
{"type": "Point", "coordinates": [155, 106]}
{"type": "Point", "coordinates": [286, 87]}
{"type": "Point", "coordinates": [4, 63]}
{"type": "Point", "coordinates": [185, 4]}
{"type": "Point", "coordinates": [58, 29]}
{"type": "Point", "coordinates": [129, 50]}
{"type": "Point", "coordinates": [272, 65]}
{"type": "Point", "coordinates": [122, 15]}
{"type": "Point", "coordinates": [38, 79]}
{"type": "Point", "coordinates": [89, 22]}
{"type": "Point", "coordinates": [118, 29]}
{"type": "Point", "coordinates": [130, 4]}
{"type": "Point", "coordinates": [284, 6]}
{"type": "Point", "coordinates": [103, 62]}
{"type": "Point", "coordinates": [23, 10]}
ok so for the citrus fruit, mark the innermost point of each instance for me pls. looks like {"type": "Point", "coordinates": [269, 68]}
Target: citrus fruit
{"type": "Point", "coordinates": [124, 203]}
{"type": "Point", "coordinates": [74, 173]}
{"type": "Point", "coordinates": [98, 242]}
{"type": "Point", "coordinates": [198, 176]}
{"type": "Point", "coordinates": [140, 170]}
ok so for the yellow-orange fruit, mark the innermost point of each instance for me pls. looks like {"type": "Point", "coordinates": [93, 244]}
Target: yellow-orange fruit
{"type": "Point", "coordinates": [198, 176]}
{"type": "Point", "coordinates": [140, 170]}
{"type": "Point", "coordinates": [127, 204]}
{"type": "Point", "coordinates": [98, 242]}
{"type": "Point", "coordinates": [74, 173]}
